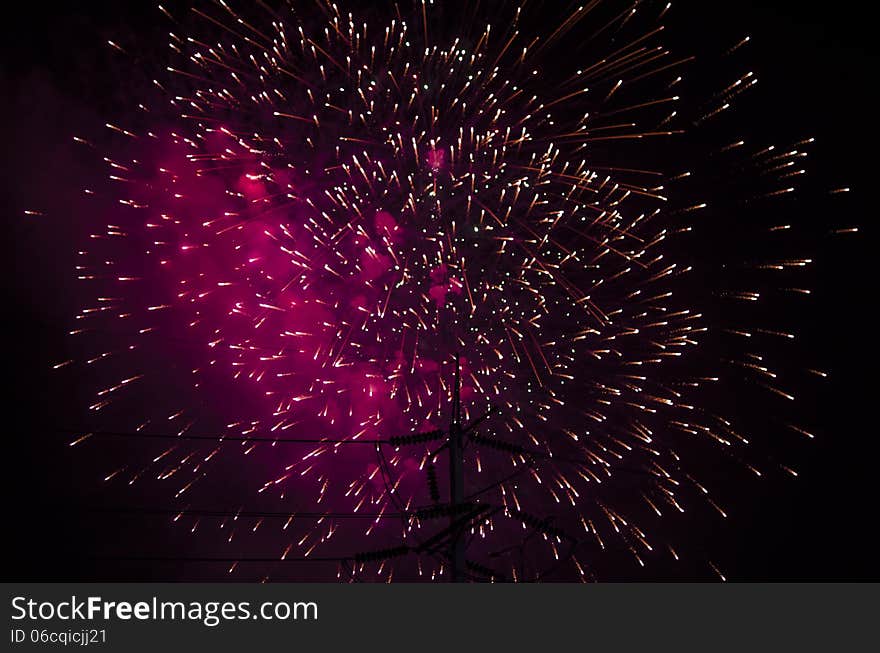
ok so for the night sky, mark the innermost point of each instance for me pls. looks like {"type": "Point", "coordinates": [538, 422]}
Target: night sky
{"type": "Point", "coordinates": [816, 67]}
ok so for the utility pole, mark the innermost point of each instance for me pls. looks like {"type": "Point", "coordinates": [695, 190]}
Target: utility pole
{"type": "Point", "coordinates": [456, 482]}
{"type": "Point", "coordinates": [462, 515]}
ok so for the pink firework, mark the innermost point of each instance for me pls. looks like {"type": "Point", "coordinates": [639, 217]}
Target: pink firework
{"type": "Point", "coordinates": [317, 211]}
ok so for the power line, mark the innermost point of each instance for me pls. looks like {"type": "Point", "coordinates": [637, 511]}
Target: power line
{"type": "Point", "coordinates": [417, 513]}
{"type": "Point", "coordinates": [220, 438]}
{"type": "Point", "coordinates": [218, 559]}
{"type": "Point", "coordinates": [395, 441]}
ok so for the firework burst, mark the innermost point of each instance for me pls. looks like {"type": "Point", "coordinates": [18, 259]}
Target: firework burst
{"type": "Point", "coordinates": [325, 208]}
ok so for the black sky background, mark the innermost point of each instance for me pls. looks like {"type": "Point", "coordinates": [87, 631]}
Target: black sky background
{"type": "Point", "coordinates": [818, 72]}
